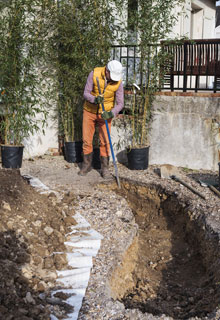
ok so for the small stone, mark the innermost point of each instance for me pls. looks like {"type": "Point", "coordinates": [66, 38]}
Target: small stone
{"type": "Point", "coordinates": [70, 221]}
{"type": "Point", "coordinates": [59, 236]}
{"type": "Point", "coordinates": [6, 206]}
{"type": "Point", "coordinates": [22, 311]}
{"type": "Point", "coordinates": [37, 260]}
{"type": "Point", "coordinates": [37, 223]}
{"type": "Point", "coordinates": [29, 298]}
{"type": "Point", "coordinates": [41, 287]}
{"type": "Point", "coordinates": [48, 263]}
{"type": "Point", "coordinates": [10, 224]}
{"type": "Point", "coordinates": [119, 213]}
{"type": "Point", "coordinates": [48, 231]}
{"type": "Point", "coordinates": [42, 251]}
{"type": "Point", "coordinates": [60, 261]}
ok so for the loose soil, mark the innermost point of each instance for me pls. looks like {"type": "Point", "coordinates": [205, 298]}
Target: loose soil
{"type": "Point", "coordinates": [32, 228]}
{"type": "Point", "coordinates": [165, 264]}
{"type": "Point", "coordinates": [166, 270]}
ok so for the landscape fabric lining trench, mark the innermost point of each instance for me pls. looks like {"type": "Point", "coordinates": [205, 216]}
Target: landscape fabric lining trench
{"type": "Point", "coordinates": [171, 267]}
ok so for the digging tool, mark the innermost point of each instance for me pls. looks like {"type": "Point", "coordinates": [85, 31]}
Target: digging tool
{"type": "Point", "coordinates": [188, 186]}
{"type": "Point", "coordinates": [206, 183]}
{"type": "Point", "coordinates": [170, 172]}
{"type": "Point", "coordinates": [109, 138]}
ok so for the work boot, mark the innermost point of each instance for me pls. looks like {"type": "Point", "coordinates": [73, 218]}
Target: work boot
{"type": "Point", "coordinates": [86, 165]}
{"type": "Point", "coordinates": [105, 168]}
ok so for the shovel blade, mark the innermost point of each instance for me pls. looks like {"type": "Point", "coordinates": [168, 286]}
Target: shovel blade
{"type": "Point", "coordinates": [168, 170]}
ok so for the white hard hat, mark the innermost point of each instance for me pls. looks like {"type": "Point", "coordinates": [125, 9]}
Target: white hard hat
{"type": "Point", "coordinates": [115, 68]}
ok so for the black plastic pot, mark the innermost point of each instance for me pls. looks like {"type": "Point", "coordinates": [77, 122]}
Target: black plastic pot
{"type": "Point", "coordinates": [73, 151]}
{"type": "Point", "coordinates": [96, 163]}
{"type": "Point", "coordinates": [12, 156]}
{"type": "Point", "coordinates": [138, 158]}
{"type": "Point", "coordinates": [219, 175]}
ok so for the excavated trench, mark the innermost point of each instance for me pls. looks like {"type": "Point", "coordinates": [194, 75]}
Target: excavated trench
{"type": "Point", "coordinates": [172, 265]}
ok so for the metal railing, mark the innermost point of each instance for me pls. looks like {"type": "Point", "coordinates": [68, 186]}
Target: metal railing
{"type": "Point", "coordinates": [194, 65]}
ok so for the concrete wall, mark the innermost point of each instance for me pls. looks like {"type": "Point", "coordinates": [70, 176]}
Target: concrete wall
{"type": "Point", "coordinates": [186, 131]}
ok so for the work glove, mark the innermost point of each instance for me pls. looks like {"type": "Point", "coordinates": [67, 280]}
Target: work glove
{"type": "Point", "coordinates": [107, 115]}
{"type": "Point", "coordinates": [99, 99]}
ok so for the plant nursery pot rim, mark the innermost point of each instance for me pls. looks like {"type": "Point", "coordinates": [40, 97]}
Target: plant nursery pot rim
{"type": "Point", "coordinates": [73, 141]}
{"type": "Point", "coordinates": [128, 149]}
{"type": "Point", "coordinates": [12, 145]}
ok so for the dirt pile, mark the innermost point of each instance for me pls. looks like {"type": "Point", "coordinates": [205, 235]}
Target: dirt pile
{"type": "Point", "coordinates": [32, 234]}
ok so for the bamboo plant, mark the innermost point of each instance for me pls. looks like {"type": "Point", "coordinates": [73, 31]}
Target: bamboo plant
{"type": "Point", "coordinates": [152, 22]}
{"type": "Point", "coordinates": [84, 34]}
{"type": "Point", "coordinates": [21, 81]}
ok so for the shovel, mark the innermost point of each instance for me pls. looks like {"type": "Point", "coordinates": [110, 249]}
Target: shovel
{"type": "Point", "coordinates": [206, 183]}
{"type": "Point", "coordinates": [110, 141]}
{"type": "Point", "coordinates": [170, 172]}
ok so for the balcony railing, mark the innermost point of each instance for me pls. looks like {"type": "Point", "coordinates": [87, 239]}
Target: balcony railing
{"type": "Point", "coordinates": [193, 65]}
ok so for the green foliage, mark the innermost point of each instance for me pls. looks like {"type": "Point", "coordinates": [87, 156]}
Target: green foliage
{"type": "Point", "coordinates": [22, 82]}
{"type": "Point", "coordinates": [152, 22]}
{"type": "Point", "coordinates": [83, 33]}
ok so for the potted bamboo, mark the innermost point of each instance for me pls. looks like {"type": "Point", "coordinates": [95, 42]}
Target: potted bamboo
{"type": "Point", "coordinates": [84, 35]}
{"type": "Point", "coordinates": [70, 79]}
{"type": "Point", "coordinates": [152, 22]}
{"type": "Point", "coordinates": [138, 150]}
{"type": "Point", "coordinates": [19, 80]}
{"type": "Point", "coordinates": [70, 125]}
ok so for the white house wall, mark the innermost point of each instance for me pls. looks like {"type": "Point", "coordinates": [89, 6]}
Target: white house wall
{"type": "Point", "coordinates": [196, 20]}
{"type": "Point", "coordinates": [39, 143]}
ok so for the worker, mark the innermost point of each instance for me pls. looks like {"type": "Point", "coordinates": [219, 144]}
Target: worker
{"type": "Point", "coordinates": [112, 96]}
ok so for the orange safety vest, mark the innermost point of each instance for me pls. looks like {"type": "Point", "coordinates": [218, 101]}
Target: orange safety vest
{"type": "Point", "coordinates": [109, 94]}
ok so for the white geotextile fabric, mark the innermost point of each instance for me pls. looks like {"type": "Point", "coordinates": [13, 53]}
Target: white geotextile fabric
{"type": "Point", "coordinates": [85, 247]}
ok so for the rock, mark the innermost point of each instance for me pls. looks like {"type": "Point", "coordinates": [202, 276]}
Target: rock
{"type": "Point", "coordinates": [60, 260]}
{"type": "Point", "coordinates": [23, 311]}
{"type": "Point", "coordinates": [6, 206]}
{"type": "Point", "coordinates": [41, 250]}
{"type": "Point", "coordinates": [48, 263]}
{"type": "Point", "coordinates": [37, 223]}
{"type": "Point", "coordinates": [54, 301]}
{"type": "Point", "coordinates": [37, 260]}
{"type": "Point", "coordinates": [29, 298]}
{"type": "Point", "coordinates": [48, 231]}
{"type": "Point", "coordinates": [10, 224]}
{"type": "Point", "coordinates": [27, 272]}
{"type": "Point", "coordinates": [59, 236]}
{"type": "Point", "coordinates": [41, 286]}
{"type": "Point", "coordinates": [70, 221]}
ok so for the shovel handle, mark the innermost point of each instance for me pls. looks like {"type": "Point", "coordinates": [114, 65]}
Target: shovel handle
{"type": "Point", "coordinates": [109, 138]}
{"type": "Point", "coordinates": [214, 190]}
{"type": "Point", "coordinates": [189, 187]}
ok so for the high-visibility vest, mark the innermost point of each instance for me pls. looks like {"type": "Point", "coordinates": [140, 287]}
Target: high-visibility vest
{"type": "Point", "coordinates": [109, 94]}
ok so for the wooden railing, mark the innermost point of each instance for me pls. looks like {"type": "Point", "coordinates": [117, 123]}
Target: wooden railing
{"type": "Point", "coordinates": [194, 65]}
